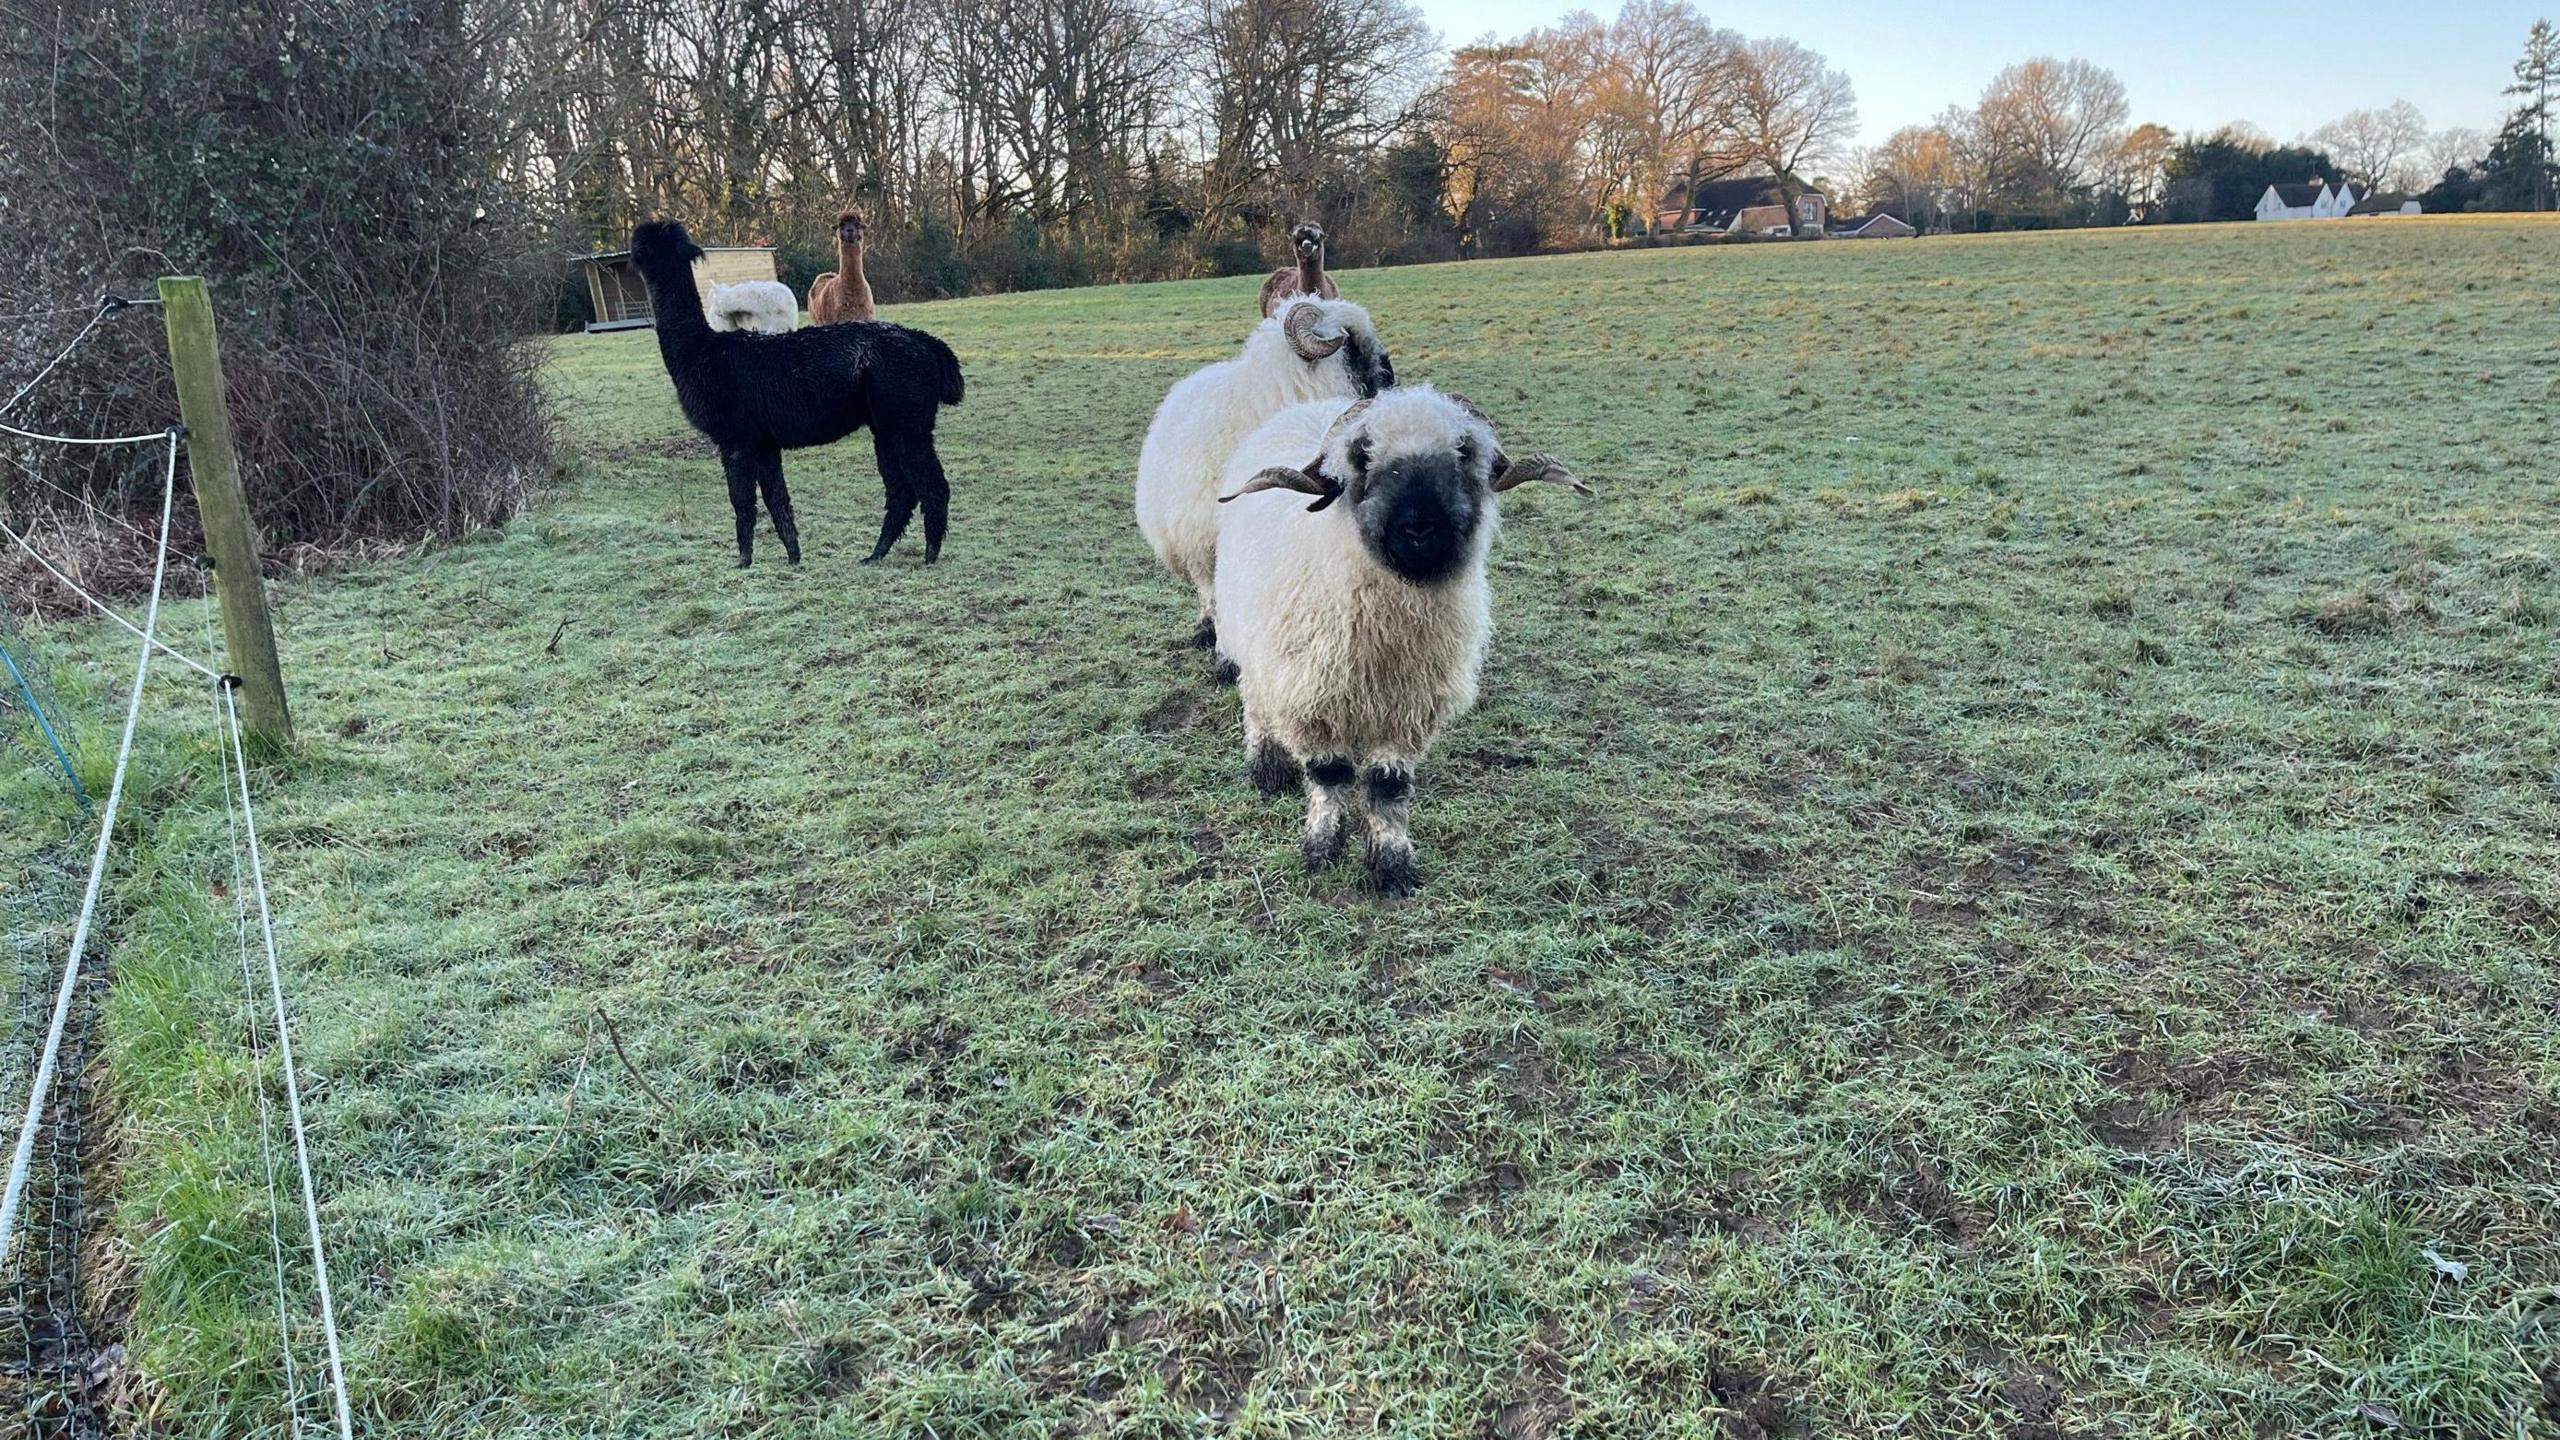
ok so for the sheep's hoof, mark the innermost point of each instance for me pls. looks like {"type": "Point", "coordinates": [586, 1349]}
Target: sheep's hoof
{"type": "Point", "coordinates": [745, 560]}
{"type": "Point", "coordinates": [874, 557]}
{"type": "Point", "coordinates": [1392, 874]}
{"type": "Point", "coordinates": [1228, 672]}
{"type": "Point", "coordinates": [1273, 770]}
{"type": "Point", "coordinates": [1204, 636]}
{"type": "Point", "coordinates": [932, 556]}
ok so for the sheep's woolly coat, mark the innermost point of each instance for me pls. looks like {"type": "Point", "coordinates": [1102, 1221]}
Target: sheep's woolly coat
{"type": "Point", "coordinates": [1210, 412]}
{"type": "Point", "coordinates": [1341, 656]}
{"type": "Point", "coordinates": [765, 306]}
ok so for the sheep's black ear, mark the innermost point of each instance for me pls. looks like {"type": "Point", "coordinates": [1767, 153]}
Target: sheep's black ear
{"type": "Point", "coordinates": [1281, 477]}
{"type": "Point", "coordinates": [1332, 488]}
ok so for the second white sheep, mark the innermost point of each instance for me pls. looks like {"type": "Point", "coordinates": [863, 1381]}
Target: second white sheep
{"type": "Point", "coordinates": [1310, 350]}
{"type": "Point", "coordinates": [765, 306]}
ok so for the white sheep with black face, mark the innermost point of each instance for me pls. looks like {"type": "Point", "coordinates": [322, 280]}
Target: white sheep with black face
{"type": "Point", "coordinates": [1360, 621]}
{"type": "Point", "coordinates": [1310, 350]}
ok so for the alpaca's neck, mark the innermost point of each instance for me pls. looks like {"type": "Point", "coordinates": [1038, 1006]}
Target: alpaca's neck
{"type": "Point", "coordinates": [848, 256]}
{"type": "Point", "coordinates": [673, 299]}
{"type": "Point", "coordinates": [1311, 272]}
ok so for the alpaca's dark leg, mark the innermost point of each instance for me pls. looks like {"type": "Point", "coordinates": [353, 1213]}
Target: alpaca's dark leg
{"type": "Point", "coordinates": [777, 501]}
{"type": "Point", "coordinates": [897, 476]}
{"type": "Point", "coordinates": [900, 503]}
{"type": "Point", "coordinates": [935, 492]}
{"type": "Point", "coordinates": [740, 466]}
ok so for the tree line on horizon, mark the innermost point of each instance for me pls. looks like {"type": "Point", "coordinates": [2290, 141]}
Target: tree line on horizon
{"type": "Point", "coordinates": [2048, 145]}
{"type": "Point", "coordinates": [1012, 144]}
{"type": "Point", "coordinates": [1018, 144]}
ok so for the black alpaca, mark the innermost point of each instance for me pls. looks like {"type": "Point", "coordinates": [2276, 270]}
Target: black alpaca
{"type": "Point", "coordinates": [756, 396]}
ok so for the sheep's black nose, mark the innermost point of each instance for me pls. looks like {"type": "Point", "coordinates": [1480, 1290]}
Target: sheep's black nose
{"type": "Point", "coordinates": [1421, 545]}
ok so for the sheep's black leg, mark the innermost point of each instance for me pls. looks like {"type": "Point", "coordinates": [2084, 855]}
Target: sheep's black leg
{"type": "Point", "coordinates": [777, 501]}
{"type": "Point", "coordinates": [1328, 810]}
{"type": "Point", "coordinates": [899, 479]}
{"type": "Point", "coordinates": [1204, 633]}
{"type": "Point", "coordinates": [1388, 792]}
{"type": "Point", "coordinates": [1266, 759]}
{"type": "Point", "coordinates": [740, 467]}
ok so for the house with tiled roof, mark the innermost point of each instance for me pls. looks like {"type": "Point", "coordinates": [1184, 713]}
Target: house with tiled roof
{"type": "Point", "coordinates": [1746, 205]}
{"type": "Point", "coordinates": [1877, 226]}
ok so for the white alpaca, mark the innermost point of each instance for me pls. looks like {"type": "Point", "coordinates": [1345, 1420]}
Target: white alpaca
{"type": "Point", "coordinates": [765, 306]}
{"type": "Point", "coordinates": [1311, 350]}
{"type": "Point", "coordinates": [1360, 621]}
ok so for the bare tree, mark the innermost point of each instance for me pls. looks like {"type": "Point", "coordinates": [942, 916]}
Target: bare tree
{"type": "Point", "coordinates": [1658, 74]}
{"type": "Point", "coordinates": [1786, 108]}
{"type": "Point", "coordinates": [2372, 145]}
{"type": "Point", "coordinates": [1913, 174]}
{"type": "Point", "coordinates": [2456, 148]}
{"type": "Point", "coordinates": [1288, 87]}
{"type": "Point", "coordinates": [2247, 135]}
{"type": "Point", "coordinates": [2138, 168]}
{"type": "Point", "coordinates": [2052, 122]}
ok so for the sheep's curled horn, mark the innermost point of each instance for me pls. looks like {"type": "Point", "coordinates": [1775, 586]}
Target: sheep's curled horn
{"type": "Point", "coordinates": [1309, 481]}
{"type": "Point", "coordinates": [1300, 327]}
{"type": "Point", "coordinates": [1509, 473]}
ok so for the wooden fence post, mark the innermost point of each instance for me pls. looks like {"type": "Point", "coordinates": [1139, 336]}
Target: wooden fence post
{"type": "Point", "coordinates": [248, 631]}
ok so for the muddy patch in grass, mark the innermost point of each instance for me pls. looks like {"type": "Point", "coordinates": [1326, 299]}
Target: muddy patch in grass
{"type": "Point", "coordinates": [838, 1366]}
{"type": "Point", "coordinates": [1172, 714]}
{"type": "Point", "coordinates": [1919, 1190]}
{"type": "Point", "coordinates": [931, 1050]}
{"type": "Point", "coordinates": [2009, 876]}
{"type": "Point", "coordinates": [2030, 1394]}
{"type": "Point", "coordinates": [2154, 1099]}
{"type": "Point", "coordinates": [1751, 1404]}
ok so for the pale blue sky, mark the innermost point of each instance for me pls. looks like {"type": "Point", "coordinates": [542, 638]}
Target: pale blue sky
{"type": "Point", "coordinates": [2284, 65]}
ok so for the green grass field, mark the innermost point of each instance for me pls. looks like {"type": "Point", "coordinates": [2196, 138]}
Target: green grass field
{"type": "Point", "coordinates": [2006, 883]}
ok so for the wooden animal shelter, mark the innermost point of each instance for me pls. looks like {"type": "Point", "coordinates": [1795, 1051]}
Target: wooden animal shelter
{"type": "Point", "coordinates": [621, 298]}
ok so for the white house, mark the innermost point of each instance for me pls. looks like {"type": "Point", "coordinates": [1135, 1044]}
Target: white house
{"type": "Point", "coordinates": [2318, 200]}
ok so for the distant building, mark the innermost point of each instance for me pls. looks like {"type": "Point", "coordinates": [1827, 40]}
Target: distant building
{"type": "Point", "coordinates": [1878, 226]}
{"type": "Point", "coordinates": [1762, 220]}
{"type": "Point", "coordinates": [1747, 205]}
{"type": "Point", "coordinates": [2317, 200]}
{"type": "Point", "coordinates": [2380, 204]}
{"type": "Point", "coordinates": [621, 299]}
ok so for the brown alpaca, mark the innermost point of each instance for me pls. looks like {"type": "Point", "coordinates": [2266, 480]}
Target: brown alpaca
{"type": "Point", "coordinates": [842, 294]}
{"type": "Point", "coordinates": [1307, 277]}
